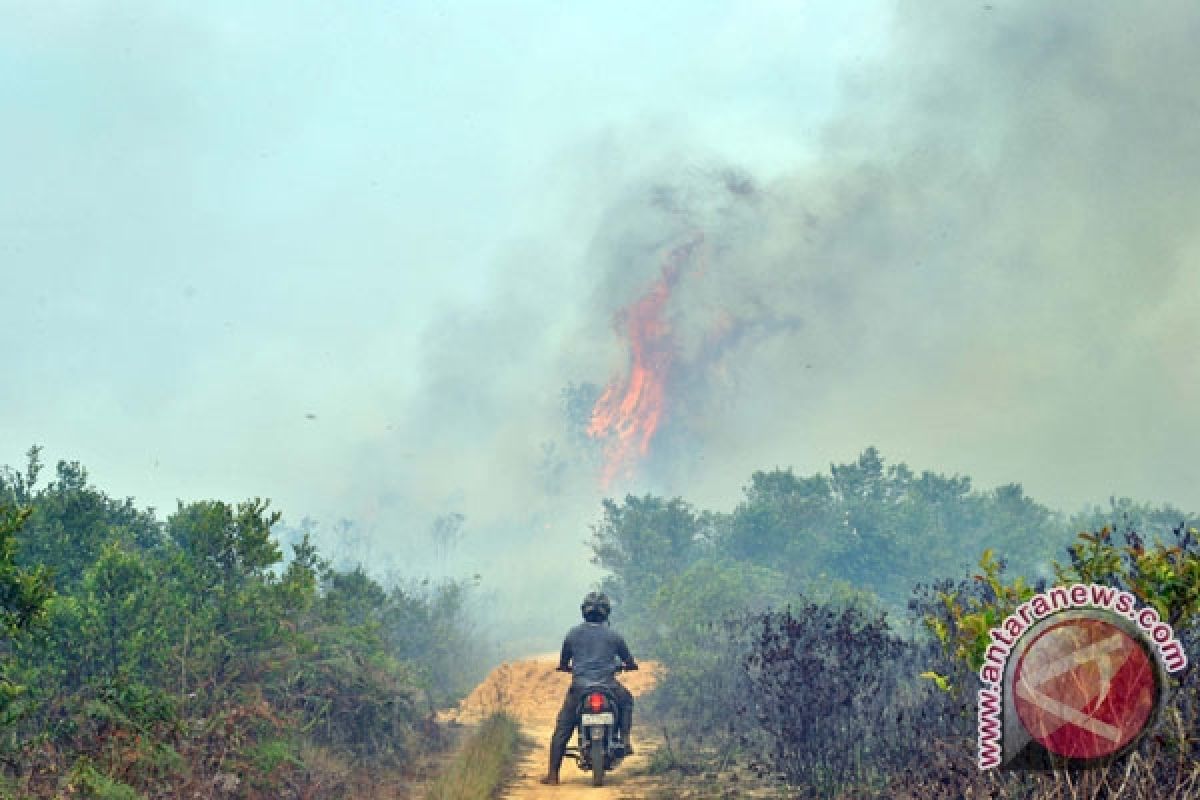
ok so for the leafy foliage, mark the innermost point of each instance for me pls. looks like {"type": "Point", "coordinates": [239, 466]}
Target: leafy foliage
{"type": "Point", "coordinates": [70, 520]}
{"type": "Point", "coordinates": [884, 528]}
{"type": "Point", "coordinates": [827, 695]}
{"type": "Point", "coordinates": [24, 593]}
{"type": "Point", "coordinates": [876, 527]}
{"type": "Point", "coordinates": [186, 658]}
{"type": "Point", "coordinates": [1163, 575]}
{"type": "Point", "coordinates": [644, 541]}
{"type": "Point", "coordinates": [964, 618]}
{"type": "Point", "coordinates": [702, 648]}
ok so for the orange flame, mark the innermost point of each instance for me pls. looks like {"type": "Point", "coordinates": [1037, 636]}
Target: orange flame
{"type": "Point", "coordinates": [629, 411]}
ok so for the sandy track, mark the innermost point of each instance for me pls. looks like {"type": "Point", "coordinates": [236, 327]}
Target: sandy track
{"type": "Point", "coordinates": [532, 692]}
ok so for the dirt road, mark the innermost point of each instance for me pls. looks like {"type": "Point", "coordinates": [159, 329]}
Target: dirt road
{"type": "Point", "coordinates": [532, 691]}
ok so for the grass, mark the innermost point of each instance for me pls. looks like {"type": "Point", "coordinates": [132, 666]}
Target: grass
{"type": "Point", "coordinates": [484, 763]}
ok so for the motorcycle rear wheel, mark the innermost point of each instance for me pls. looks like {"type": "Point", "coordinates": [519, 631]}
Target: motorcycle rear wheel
{"type": "Point", "coordinates": [597, 762]}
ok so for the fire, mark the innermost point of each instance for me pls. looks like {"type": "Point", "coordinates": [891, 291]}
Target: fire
{"type": "Point", "coordinates": [630, 410]}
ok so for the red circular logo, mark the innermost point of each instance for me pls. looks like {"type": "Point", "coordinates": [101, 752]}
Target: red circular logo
{"type": "Point", "coordinates": [1084, 688]}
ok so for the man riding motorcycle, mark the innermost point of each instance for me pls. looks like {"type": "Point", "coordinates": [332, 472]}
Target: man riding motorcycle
{"type": "Point", "coordinates": [590, 652]}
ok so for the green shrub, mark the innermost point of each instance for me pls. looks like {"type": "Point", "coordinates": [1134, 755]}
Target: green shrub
{"type": "Point", "coordinates": [94, 785]}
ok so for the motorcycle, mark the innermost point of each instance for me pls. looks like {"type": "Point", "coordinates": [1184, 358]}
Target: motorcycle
{"type": "Point", "coordinates": [600, 747]}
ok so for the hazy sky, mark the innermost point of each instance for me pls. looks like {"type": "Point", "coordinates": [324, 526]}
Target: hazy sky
{"type": "Point", "coordinates": [218, 217]}
{"type": "Point", "coordinates": [963, 233]}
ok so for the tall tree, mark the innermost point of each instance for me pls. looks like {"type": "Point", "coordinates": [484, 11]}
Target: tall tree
{"type": "Point", "coordinates": [644, 540]}
{"type": "Point", "coordinates": [71, 520]}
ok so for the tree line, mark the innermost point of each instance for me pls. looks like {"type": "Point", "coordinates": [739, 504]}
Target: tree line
{"type": "Point", "coordinates": [148, 657]}
{"type": "Point", "coordinates": [825, 631]}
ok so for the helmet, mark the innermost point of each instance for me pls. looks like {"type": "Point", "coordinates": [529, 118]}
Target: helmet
{"type": "Point", "coordinates": [595, 607]}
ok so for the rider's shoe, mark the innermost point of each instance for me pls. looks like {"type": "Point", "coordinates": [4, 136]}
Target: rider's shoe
{"type": "Point", "coordinates": [549, 780]}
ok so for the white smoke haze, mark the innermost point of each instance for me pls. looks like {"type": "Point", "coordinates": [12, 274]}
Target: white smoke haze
{"type": "Point", "coordinates": [986, 263]}
{"type": "Point", "coordinates": [989, 269]}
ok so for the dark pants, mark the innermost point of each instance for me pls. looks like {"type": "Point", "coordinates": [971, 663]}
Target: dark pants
{"type": "Point", "coordinates": [564, 726]}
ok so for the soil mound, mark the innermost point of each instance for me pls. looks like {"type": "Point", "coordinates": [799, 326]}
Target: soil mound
{"type": "Point", "coordinates": [532, 691]}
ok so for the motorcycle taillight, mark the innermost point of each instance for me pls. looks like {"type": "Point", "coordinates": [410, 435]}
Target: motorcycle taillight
{"type": "Point", "coordinates": [596, 703]}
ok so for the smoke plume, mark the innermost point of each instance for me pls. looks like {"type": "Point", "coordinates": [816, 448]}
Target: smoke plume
{"type": "Point", "coordinates": [987, 265]}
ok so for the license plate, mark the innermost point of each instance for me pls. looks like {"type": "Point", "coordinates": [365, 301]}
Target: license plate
{"type": "Point", "coordinates": [599, 719]}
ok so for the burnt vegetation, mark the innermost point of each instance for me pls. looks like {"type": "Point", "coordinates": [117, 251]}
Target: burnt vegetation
{"type": "Point", "coordinates": [821, 639]}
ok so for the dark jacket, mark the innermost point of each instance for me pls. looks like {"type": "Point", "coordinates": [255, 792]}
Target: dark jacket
{"type": "Point", "coordinates": [592, 652]}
